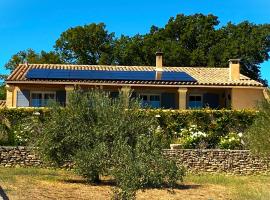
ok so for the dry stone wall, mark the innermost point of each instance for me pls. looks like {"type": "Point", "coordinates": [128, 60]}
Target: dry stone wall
{"type": "Point", "coordinates": [195, 160]}
{"type": "Point", "coordinates": [18, 157]}
{"type": "Point", "coordinates": [216, 160]}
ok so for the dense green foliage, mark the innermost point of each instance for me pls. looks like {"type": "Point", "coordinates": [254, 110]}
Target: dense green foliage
{"type": "Point", "coordinates": [2, 91]}
{"type": "Point", "coordinates": [258, 135]}
{"type": "Point", "coordinates": [5, 127]}
{"type": "Point", "coordinates": [217, 124]}
{"type": "Point", "coordinates": [18, 125]}
{"type": "Point", "coordinates": [89, 44]}
{"type": "Point", "coordinates": [192, 40]}
{"type": "Point", "coordinates": [97, 133]}
{"type": "Point", "coordinates": [31, 56]}
{"type": "Point", "coordinates": [202, 128]}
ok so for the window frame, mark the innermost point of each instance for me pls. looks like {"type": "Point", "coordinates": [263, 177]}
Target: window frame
{"type": "Point", "coordinates": [149, 96]}
{"type": "Point", "coordinates": [42, 97]}
{"type": "Point", "coordinates": [195, 95]}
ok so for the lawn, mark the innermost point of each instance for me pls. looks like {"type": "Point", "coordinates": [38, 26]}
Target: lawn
{"type": "Point", "coordinates": [30, 183]}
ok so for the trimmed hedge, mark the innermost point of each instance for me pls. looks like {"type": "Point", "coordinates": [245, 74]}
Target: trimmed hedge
{"type": "Point", "coordinates": [217, 122]}
{"type": "Point", "coordinates": [15, 117]}
{"type": "Point", "coordinates": [220, 121]}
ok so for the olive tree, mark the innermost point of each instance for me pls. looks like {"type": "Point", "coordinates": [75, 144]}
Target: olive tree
{"type": "Point", "coordinates": [106, 137]}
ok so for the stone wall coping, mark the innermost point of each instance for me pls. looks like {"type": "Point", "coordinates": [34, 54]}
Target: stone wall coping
{"type": "Point", "coordinates": [207, 150]}
{"type": "Point", "coordinates": [13, 147]}
{"type": "Point", "coordinates": [16, 147]}
{"type": "Point", "coordinates": [171, 150]}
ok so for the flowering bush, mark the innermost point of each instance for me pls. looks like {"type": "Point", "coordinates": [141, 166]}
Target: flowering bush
{"type": "Point", "coordinates": [215, 123]}
{"type": "Point", "coordinates": [27, 129]}
{"type": "Point", "coordinates": [192, 137]}
{"type": "Point", "coordinates": [232, 141]}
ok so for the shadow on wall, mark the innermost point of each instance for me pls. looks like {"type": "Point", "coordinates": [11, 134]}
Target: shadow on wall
{"type": "Point", "coordinates": [3, 194]}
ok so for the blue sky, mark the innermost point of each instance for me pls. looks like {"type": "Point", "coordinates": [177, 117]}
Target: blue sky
{"type": "Point", "coordinates": [37, 24]}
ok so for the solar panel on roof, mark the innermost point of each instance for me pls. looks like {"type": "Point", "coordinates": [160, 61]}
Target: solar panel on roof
{"type": "Point", "coordinates": [38, 72]}
{"type": "Point", "coordinates": [61, 74]}
{"type": "Point", "coordinates": [174, 76]}
{"type": "Point", "coordinates": [58, 74]}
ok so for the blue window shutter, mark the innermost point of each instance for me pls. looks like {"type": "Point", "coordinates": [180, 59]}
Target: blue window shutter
{"type": "Point", "coordinates": [168, 100]}
{"type": "Point", "coordinates": [23, 98]}
{"type": "Point", "coordinates": [61, 97]}
{"type": "Point", "coordinates": [211, 100]}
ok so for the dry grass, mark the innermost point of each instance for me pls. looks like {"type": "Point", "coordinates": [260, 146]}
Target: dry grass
{"type": "Point", "coordinates": [21, 183]}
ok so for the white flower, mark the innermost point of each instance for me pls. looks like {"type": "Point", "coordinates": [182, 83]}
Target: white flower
{"type": "Point", "coordinates": [158, 128]}
{"type": "Point", "coordinates": [36, 113]}
{"type": "Point", "coordinates": [240, 134]}
{"type": "Point", "coordinates": [157, 116]}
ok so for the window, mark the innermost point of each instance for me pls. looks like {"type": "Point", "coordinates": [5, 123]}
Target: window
{"type": "Point", "coordinates": [114, 95]}
{"type": "Point", "coordinates": [150, 100]}
{"type": "Point", "coordinates": [41, 99]}
{"type": "Point", "coordinates": [195, 101]}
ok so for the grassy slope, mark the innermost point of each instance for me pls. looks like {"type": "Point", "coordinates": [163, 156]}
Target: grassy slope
{"type": "Point", "coordinates": [21, 183]}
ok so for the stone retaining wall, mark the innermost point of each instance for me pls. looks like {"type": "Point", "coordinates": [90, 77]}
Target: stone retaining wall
{"type": "Point", "coordinates": [216, 160]}
{"type": "Point", "coordinates": [18, 157]}
{"type": "Point", "coordinates": [195, 160]}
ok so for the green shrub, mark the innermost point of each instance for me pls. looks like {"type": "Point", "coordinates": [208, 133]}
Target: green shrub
{"type": "Point", "coordinates": [215, 123]}
{"type": "Point", "coordinates": [21, 124]}
{"type": "Point", "coordinates": [5, 127]}
{"type": "Point", "coordinates": [232, 141]}
{"type": "Point", "coordinates": [257, 135]}
{"type": "Point", "coordinates": [103, 138]}
{"type": "Point", "coordinates": [191, 138]}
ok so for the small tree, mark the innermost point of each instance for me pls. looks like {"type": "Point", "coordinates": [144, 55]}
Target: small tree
{"type": "Point", "coordinates": [103, 137]}
{"type": "Point", "coordinates": [257, 136]}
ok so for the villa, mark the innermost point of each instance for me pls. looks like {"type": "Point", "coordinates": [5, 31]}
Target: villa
{"type": "Point", "coordinates": [33, 85]}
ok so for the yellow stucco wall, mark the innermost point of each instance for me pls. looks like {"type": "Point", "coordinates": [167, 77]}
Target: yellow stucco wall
{"type": "Point", "coordinates": [245, 98]}
{"type": "Point", "coordinates": [9, 98]}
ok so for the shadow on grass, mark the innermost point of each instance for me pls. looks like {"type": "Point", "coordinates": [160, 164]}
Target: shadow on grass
{"type": "Point", "coordinates": [101, 183]}
{"type": "Point", "coordinates": [3, 194]}
{"type": "Point", "coordinates": [112, 183]}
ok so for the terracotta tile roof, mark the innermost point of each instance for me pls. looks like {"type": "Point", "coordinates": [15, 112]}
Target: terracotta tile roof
{"type": "Point", "coordinates": [2, 103]}
{"type": "Point", "coordinates": [203, 75]}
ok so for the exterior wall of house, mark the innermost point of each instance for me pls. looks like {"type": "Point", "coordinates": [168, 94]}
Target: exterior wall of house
{"type": "Point", "coordinates": [236, 98]}
{"type": "Point", "coordinates": [9, 96]}
{"type": "Point", "coordinates": [246, 98]}
{"type": "Point", "coordinates": [221, 95]}
{"type": "Point", "coordinates": [20, 95]}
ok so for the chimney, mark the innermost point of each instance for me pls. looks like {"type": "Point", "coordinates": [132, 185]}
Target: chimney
{"type": "Point", "coordinates": [234, 69]}
{"type": "Point", "coordinates": [159, 64]}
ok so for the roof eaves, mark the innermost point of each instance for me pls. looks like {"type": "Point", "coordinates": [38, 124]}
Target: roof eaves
{"type": "Point", "coordinates": [152, 83]}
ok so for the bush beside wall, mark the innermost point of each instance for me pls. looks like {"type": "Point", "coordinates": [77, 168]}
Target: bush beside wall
{"type": "Point", "coordinates": [16, 117]}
